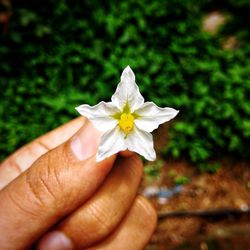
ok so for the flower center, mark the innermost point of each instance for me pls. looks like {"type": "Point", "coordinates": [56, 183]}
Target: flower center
{"type": "Point", "coordinates": [126, 122]}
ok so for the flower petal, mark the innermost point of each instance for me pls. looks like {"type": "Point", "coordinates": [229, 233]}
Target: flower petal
{"type": "Point", "coordinates": [111, 143]}
{"type": "Point", "coordinates": [100, 115]}
{"type": "Point", "coordinates": [150, 116]}
{"type": "Point", "coordinates": [141, 142]}
{"type": "Point", "coordinates": [127, 92]}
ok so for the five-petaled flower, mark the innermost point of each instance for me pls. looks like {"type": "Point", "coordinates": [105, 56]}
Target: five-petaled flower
{"type": "Point", "coordinates": [127, 120]}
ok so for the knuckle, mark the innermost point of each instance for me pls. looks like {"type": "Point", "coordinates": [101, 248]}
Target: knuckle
{"type": "Point", "coordinates": [147, 210]}
{"type": "Point", "coordinates": [43, 182]}
{"type": "Point", "coordinates": [88, 225]}
{"type": "Point", "coordinates": [9, 170]}
{"type": "Point", "coordinates": [99, 219]}
{"type": "Point", "coordinates": [17, 202]}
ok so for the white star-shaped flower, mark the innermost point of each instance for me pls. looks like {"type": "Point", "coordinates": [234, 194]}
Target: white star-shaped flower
{"type": "Point", "coordinates": [126, 121]}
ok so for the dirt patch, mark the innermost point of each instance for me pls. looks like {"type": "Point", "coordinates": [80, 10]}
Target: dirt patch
{"type": "Point", "coordinates": [225, 191]}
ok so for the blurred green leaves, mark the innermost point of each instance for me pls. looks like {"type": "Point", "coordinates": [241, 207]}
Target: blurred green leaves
{"type": "Point", "coordinates": [59, 54]}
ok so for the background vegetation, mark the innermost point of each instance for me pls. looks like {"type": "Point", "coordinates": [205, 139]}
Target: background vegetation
{"type": "Point", "coordinates": [56, 55]}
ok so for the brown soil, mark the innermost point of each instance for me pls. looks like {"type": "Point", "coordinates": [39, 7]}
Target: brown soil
{"type": "Point", "coordinates": [228, 189]}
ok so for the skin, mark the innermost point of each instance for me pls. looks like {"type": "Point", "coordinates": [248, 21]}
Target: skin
{"type": "Point", "coordinates": [49, 188]}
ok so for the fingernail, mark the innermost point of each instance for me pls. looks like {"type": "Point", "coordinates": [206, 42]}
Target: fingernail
{"type": "Point", "coordinates": [55, 241]}
{"type": "Point", "coordinates": [85, 143]}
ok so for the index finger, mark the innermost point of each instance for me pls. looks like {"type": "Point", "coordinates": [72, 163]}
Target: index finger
{"type": "Point", "coordinates": [24, 157]}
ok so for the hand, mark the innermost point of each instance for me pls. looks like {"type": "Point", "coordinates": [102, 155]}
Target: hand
{"type": "Point", "coordinates": [55, 196]}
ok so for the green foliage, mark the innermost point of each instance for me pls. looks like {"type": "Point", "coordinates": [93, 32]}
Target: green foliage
{"type": "Point", "coordinates": [59, 54]}
{"type": "Point", "coordinates": [178, 179]}
{"type": "Point", "coordinates": [153, 170]}
{"type": "Point", "coordinates": [208, 167]}
{"type": "Point", "coordinates": [181, 180]}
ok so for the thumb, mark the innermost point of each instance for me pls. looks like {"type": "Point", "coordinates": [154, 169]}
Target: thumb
{"type": "Point", "coordinates": [55, 185]}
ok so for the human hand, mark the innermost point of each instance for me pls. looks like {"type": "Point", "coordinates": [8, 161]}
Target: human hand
{"type": "Point", "coordinates": [55, 196]}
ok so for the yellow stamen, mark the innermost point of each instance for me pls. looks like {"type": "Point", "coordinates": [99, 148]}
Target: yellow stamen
{"type": "Point", "coordinates": [126, 122]}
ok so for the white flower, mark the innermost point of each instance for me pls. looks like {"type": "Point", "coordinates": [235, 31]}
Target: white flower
{"type": "Point", "coordinates": [127, 120]}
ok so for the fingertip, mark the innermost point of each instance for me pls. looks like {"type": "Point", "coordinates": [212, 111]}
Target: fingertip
{"type": "Point", "coordinates": [126, 153]}
{"type": "Point", "coordinates": [55, 240]}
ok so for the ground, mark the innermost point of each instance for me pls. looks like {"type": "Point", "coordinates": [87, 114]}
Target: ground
{"type": "Point", "coordinates": [213, 209]}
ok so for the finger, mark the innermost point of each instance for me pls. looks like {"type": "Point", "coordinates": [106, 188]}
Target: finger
{"type": "Point", "coordinates": [23, 158]}
{"type": "Point", "coordinates": [55, 185]}
{"type": "Point", "coordinates": [102, 213]}
{"type": "Point", "coordinates": [126, 153]}
{"type": "Point", "coordinates": [135, 230]}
